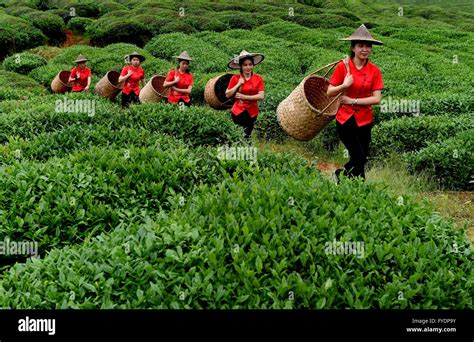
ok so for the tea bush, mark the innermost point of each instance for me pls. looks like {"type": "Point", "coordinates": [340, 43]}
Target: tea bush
{"type": "Point", "coordinates": [15, 87]}
{"type": "Point", "coordinates": [106, 31]}
{"type": "Point", "coordinates": [138, 208]}
{"type": "Point", "coordinates": [79, 24]}
{"type": "Point", "coordinates": [17, 34]}
{"type": "Point", "coordinates": [408, 134]}
{"type": "Point", "coordinates": [47, 52]}
{"type": "Point", "coordinates": [268, 128]}
{"type": "Point", "coordinates": [50, 24]}
{"type": "Point", "coordinates": [44, 75]}
{"type": "Point", "coordinates": [206, 254]}
{"type": "Point", "coordinates": [110, 6]}
{"type": "Point", "coordinates": [87, 9]}
{"type": "Point", "coordinates": [206, 57]}
{"type": "Point", "coordinates": [195, 125]}
{"type": "Point", "coordinates": [23, 63]}
{"type": "Point", "coordinates": [321, 20]}
{"type": "Point", "coordinates": [450, 162]}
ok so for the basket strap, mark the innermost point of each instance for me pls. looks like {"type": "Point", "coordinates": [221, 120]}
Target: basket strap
{"type": "Point", "coordinates": [159, 93]}
{"type": "Point", "coordinates": [346, 64]}
{"type": "Point", "coordinates": [168, 87]}
{"type": "Point", "coordinates": [175, 74]}
{"type": "Point", "coordinates": [330, 103]}
{"type": "Point", "coordinates": [330, 66]}
{"type": "Point", "coordinates": [233, 97]}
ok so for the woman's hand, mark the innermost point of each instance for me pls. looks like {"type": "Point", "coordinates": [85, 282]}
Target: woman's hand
{"type": "Point", "coordinates": [86, 88]}
{"type": "Point", "coordinates": [126, 77]}
{"type": "Point", "coordinates": [348, 80]}
{"type": "Point", "coordinates": [229, 93]}
{"type": "Point", "coordinates": [240, 96]}
{"type": "Point", "coordinates": [347, 100]}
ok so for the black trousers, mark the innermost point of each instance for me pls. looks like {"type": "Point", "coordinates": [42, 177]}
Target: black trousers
{"type": "Point", "coordinates": [357, 141]}
{"type": "Point", "coordinates": [187, 104]}
{"type": "Point", "coordinates": [246, 121]}
{"type": "Point", "coordinates": [128, 99]}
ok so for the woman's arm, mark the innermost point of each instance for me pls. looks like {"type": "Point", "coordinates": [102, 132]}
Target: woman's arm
{"type": "Point", "coordinates": [125, 77]}
{"type": "Point", "coordinates": [231, 92]}
{"type": "Point", "coordinates": [184, 91]}
{"type": "Point", "coordinates": [88, 83]}
{"type": "Point", "coordinates": [72, 76]}
{"type": "Point", "coordinates": [363, 101]}
{"type": "Point", "coordinates": [175, 80]}
{"type": "Point", "coordinates": [167, 84]}
{"type": "Point", "coordinates": [334, 90]}
{"type": "Point", "coordinates": [257, 97]}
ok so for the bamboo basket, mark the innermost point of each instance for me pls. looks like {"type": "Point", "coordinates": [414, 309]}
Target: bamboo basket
{"type": "Point", "coordinates": [60, 83]}
{"type": "Point", "coordinates": [214, 93]}
{"type": "Point", "coordinates": [154, 91]}
{"type": "Point", "coordinates": [109, 85]}
{"type": "Point", "coordinates": [308, 109]}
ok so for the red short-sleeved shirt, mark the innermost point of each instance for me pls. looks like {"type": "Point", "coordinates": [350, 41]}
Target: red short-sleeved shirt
{"type": "Point", "coordinates": [185, 81]}
{"type": "Point", "coordinates": [81, 83]}
{"type": "Point", "coordinates": [251, 86]}
{"type": "Point", "coordinates": [132, 83]}
{"type": "Point", "coordinates": [366, 80]}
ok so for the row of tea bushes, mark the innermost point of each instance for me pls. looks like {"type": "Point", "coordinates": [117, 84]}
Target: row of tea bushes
{"type": "Point", "coordinates": [450, 162]}
{"type": "Point", "coordinates": [409, 134]}
{"type": "Point", "coordinates": [243, 244]}
{"type": "Point", "coordinates": [196, 125]}
{"type": "Point", "coordinates": [15, 87]}
{"type": "Point", "coordinates": [18, 34]}
{"type": "Point", "coordinates": [50, 24]}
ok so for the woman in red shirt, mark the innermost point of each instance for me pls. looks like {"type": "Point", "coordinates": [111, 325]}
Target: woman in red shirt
{"type": "Point", "coordinates": [80, 75]}
{"type": "Point", "coordinates": [247, 88]}
{"type": "Point", "coordinates": [363, 87]}
{"type": "Point", "coordinates": [180, 80]}
{"type": "Point", "coordinates": [132, 74]}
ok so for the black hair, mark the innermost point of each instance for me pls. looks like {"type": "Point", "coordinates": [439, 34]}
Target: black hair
{"type": "Point", "coordinates": [179, 62]}
{"type": "Point", "coordinates": [241, 62]}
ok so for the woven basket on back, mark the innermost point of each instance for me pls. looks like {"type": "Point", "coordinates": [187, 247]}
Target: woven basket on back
{"type": "Point", "coordinates": [214, 93]}
{"type": "Point", "coordinates": [154, 91]}
{"type": "Point", "coordinates": [109, 85]}
{"type": "Point", "coordinates": [308, 109]}
{"type": "Point", "coordinates": [60, 83]}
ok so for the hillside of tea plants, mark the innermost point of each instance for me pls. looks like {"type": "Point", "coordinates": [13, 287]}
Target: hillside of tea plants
{"type": "Point", "coordinates": [138, 208]}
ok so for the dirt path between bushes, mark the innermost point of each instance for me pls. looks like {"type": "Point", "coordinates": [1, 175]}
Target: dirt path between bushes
{"type": "Point", "coordinates": [73, 38]}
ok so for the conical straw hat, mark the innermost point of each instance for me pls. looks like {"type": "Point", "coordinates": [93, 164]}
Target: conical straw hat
{"type": "Point", "coordinates": [184, 55]}
{"type": "Point", "coordinates": [80, 58]}
{"type": "Point", "coordinates": [234, 62]}
{"type": "Point", "coordinates": [136, 54]}
{"type": "Point", "coordinates": [362, 34]}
